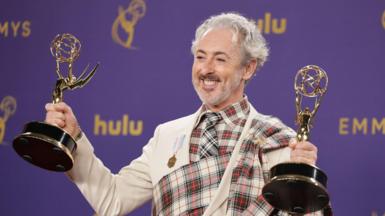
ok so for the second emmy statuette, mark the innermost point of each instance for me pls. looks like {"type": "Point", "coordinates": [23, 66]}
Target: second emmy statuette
{"type": "Point", "coordinates": [299, 188]}
{"type": "Point", "coordinates": [45, 145]}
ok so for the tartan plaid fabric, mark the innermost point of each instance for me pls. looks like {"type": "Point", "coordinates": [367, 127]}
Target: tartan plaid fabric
{"type": "Point", "coordinates": [189, 190]}
{"type": "Point", "coordinates": [208, 144]}
{"type": "Point", "coordinates": [251, 172]}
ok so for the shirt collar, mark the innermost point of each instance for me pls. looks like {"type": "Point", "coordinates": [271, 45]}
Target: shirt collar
{"type": "Point", "coordinates": [232, 114]}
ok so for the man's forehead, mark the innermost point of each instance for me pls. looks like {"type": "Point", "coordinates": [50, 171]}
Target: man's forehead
{"type": "Point", "coordinates": [219, 40]}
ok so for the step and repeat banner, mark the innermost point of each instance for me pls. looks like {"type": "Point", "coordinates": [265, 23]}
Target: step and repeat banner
{"type": "Point", "coordinates": [144, 79]}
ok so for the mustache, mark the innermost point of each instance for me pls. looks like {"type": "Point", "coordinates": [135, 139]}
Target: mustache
{"type": "Point", "coordinates": [210, 77]}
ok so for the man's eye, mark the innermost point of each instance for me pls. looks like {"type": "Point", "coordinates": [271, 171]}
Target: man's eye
{"type": "Point", "coordinates": [221, 59]}
{"type": "Point", "coordinates": [199, 57]}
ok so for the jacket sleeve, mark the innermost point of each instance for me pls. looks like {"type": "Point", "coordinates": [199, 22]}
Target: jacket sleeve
{"type": "Point", "coordinates": [112, 194]}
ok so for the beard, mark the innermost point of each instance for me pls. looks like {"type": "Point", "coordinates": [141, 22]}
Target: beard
{"type": "Point", "coordinates": [221, 93]}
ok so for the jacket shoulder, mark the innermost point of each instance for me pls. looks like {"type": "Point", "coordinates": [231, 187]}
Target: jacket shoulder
{"type": "Point", "coordinates": [177, 125]}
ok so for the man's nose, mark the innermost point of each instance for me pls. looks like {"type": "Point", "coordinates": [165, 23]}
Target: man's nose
{"type": "Point", "coordinates": [208, 66]}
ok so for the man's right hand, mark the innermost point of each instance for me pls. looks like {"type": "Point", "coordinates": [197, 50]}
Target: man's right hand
{"type": "Point", "coordinates": [61, 115]}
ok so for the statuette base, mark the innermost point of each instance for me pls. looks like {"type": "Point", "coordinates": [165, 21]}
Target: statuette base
{"type": "Point", "coordinates": [296, 188]}
{"type": "Point", "coordinates": [45, 146]}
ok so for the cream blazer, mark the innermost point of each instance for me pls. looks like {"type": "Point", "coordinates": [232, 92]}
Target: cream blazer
{"type": "Point", "coordinates": [118, 194]}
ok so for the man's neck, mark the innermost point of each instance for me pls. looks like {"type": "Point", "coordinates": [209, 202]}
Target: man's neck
{"type": "Point", "coordinates": [220, 107]}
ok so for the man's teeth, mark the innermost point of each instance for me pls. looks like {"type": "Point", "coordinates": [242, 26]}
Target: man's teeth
{"type": "Point", "coordinates": [209, 82]}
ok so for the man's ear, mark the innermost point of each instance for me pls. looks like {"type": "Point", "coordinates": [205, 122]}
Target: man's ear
{"type": "Point", "coordinates": [250, 69]}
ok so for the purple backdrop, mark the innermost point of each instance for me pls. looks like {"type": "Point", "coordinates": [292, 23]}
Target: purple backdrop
{"type": "Point", "coordinates": [149, 82]}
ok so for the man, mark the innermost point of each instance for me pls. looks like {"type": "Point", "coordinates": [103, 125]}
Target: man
{"type": "Point", "coordinates": [213, 162]}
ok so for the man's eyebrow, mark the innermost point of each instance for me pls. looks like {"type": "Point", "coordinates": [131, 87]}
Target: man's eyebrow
{"type": "Point", "coordinates": [221, 53]}
{"type": "Point", "coordinates": [215, 53]}
{"type": "Point", "coordinates": [201, 51]}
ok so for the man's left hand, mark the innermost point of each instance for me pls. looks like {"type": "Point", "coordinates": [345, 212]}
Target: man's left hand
{"type": "Point", "coordinates": [303, 152]}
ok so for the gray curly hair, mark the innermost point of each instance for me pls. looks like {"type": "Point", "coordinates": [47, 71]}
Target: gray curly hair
{"type": "Point", "coordinates": [253, 44]}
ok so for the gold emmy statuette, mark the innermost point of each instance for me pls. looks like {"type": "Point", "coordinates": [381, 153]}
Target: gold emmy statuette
{"type": "Point", "coordinates": [8, 108]}
{"type": "Point", "coordinates": [299, 188]}
{"type": "Point", "coordinates": [45, 145]}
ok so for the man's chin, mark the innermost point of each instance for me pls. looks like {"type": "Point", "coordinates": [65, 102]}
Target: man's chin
{"type": "Point", "coordinates": [211, 99]}
{"type": "Point", "coordinates": [212, 102]}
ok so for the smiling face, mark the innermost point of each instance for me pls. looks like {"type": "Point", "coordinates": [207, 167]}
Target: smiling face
{"type": "Point", "coordinates": [218, 74]}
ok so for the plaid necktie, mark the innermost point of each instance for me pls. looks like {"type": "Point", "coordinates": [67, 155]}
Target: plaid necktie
{"type": "Point", "coordinates": [209, 141]}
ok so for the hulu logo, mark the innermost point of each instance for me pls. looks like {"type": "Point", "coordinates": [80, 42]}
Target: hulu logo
{"type": "Point", "coordinates": [121, 127]}
{"type": "Point", "coordinates": [269, 25]}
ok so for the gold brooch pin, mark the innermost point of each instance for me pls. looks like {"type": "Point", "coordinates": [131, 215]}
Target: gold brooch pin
{"type": "Point", "coordinates": [171, 161]}
{"type": "Point", "coordinates": [177, 145]}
